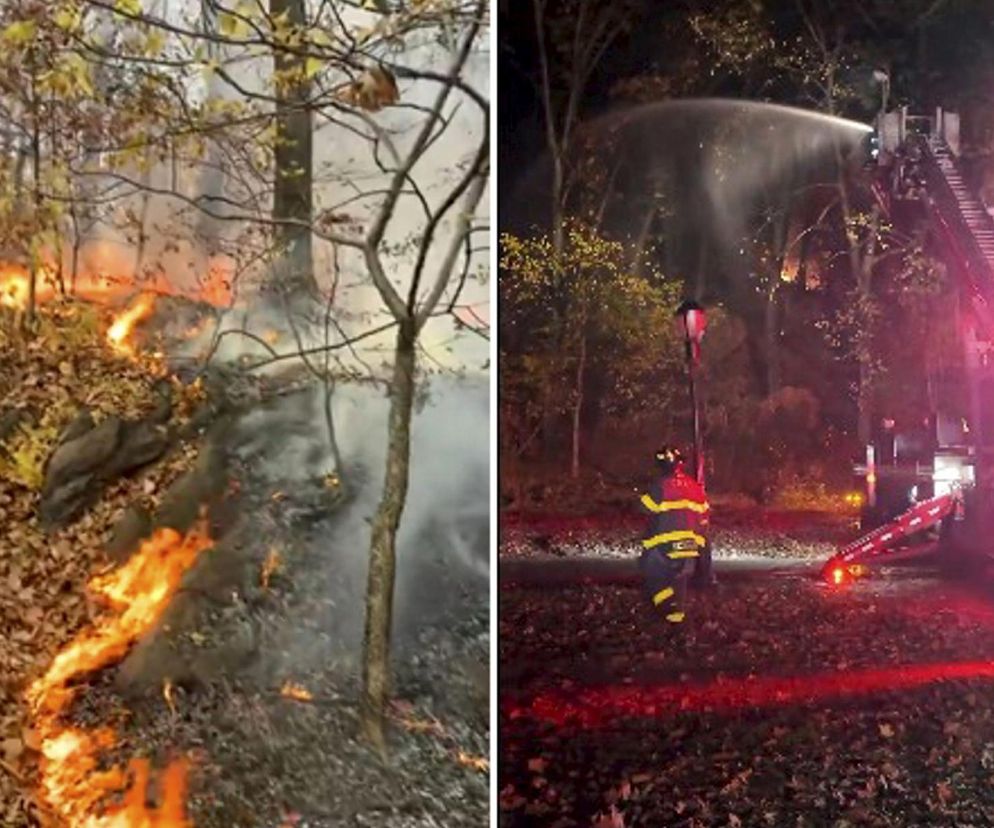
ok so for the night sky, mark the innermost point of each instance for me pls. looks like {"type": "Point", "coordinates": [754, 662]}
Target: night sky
{"type": "Point", "coordinates": [949, 61]}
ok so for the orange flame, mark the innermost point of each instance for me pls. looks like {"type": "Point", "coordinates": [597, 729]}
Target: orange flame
{"type": "Point", "coordinates": [167, 694]}
{"type": "Point", "coordinates": [71, 783]}
{"type": "Point", "coordinates": [14, 288]}
{"type": "Point", "coordinates": [270, 566]}
{"type": "Point", "coordinates": [477, 763]}
{"type": "Point", "coordinates": [101, 283]}
{"type": "Point", "coordinates": [141, 308]}
{"type": "Point", "coordinates": [295, 691]}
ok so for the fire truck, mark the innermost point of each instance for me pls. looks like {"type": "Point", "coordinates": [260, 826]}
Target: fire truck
{"type": "Point", "coordinates": [929, 489]}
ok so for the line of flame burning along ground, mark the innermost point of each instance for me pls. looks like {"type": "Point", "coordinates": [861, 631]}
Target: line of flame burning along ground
{"type": "Point", "coordinates": [71, 783]}
{"type": "Point", "coordinates": [14, 289]}
{"type": "Point", "coordinates": [15, 284]}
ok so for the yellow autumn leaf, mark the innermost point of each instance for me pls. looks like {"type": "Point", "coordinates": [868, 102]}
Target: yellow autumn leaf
{"type": "Point", "coordinates": [132, 8]}
{"type": "Point", "coordinates": [79, 72]}
{"type": "Point", "coordinates": [312, 67]}
{"type": "Point", "coordinates": [68, 18]}
{"type": "Point", "coordinates": [319, 37]}
{"type": "Point", "coordinates": [231, 25]}
{"type": "Point", "coordinates": [19, 32]}
{"type": "Point", "coordinates": [155, 43]}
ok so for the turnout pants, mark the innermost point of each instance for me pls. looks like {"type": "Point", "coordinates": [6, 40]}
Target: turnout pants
{"type": "Point", "coordinates": [665, 581]}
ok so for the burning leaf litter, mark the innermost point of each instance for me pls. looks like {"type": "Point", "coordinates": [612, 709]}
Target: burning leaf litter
{"type": "Point", "coordinates": [67, 366]}
{"type": "Point", "coordinates": [477, 763]}
{"type": "Point", "coordinates": [71, 784]}
{"type": "Point", "coordinates": [297, 692]}
{"type": "Point", "coordinates": [272, 565]}
{"type": "Point", "coordinates": [167, 694]}
{"type": "Point", "coordinates": [449, 791]}
{"type": "Point", "coordinates": [124, 323]}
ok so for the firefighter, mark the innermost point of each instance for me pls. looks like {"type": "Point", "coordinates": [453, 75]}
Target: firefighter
{"type": "Point", "coordinates": [679, 514]}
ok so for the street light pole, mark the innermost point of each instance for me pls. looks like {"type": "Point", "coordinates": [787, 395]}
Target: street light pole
{"type": "Point", "coordinates": [695, 418]}
{"type": "Point", "coordinates": [694, 323]}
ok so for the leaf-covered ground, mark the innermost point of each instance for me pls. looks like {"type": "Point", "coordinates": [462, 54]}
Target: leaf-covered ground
{"type": "Point", "coordinates": [259, 759]}
{"type": "Point", "coordinates": [68, 365]}
{"type": "Point", "coordinates": [780, 702]}
{"type": "Point", "coordinates": [737, 532]}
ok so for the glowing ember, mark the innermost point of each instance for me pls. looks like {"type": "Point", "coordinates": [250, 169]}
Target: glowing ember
{"type": "Point", "coordinates": [295, 691]}
{"type": "Point", "coordinates": [167, 694]}
{"type": "Point", "coordinates": [270, 566]}
{"type": "Point", "coordinates": [124, 324]}
{"type": "Point", "coordinates": [71, 784]}
{"type": "Point", "coordinates": [475, 762]}
{"type": "Point", "coordinates": [432, 726]}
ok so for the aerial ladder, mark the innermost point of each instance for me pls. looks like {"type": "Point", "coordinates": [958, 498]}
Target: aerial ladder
{"type": "Point", "coordinates": [919, 158]}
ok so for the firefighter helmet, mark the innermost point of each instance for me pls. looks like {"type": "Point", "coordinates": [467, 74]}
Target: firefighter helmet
{"type": "Point", "coordinates": [669, 459]}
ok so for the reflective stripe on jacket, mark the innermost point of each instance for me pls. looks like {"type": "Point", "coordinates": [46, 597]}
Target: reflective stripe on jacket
{"type": "Point", "coordinates": [679, 508]}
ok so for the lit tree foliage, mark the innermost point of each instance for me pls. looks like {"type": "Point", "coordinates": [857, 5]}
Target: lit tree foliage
{"type": "Point", "coordinates": [568, 316]}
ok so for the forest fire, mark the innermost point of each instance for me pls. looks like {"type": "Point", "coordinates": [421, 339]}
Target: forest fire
{"type": "Point", "coordinates": [14, 287]}
{"type": "Point", "coordinates": [124, 323]}
{"type": "Point", "coordinates": [296, 692]}
{"type": "Point", "coordinates": [103, 285]}
{"type": "Point", "coordinates": [72, 785]}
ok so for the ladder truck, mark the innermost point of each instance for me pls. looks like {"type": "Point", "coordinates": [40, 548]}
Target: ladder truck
{"type": "Point", "coordinates": [932, 490]}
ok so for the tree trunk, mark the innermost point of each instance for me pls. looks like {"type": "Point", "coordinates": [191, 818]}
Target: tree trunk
{"type": "Point", "coordinates": [862, 261]}
{"type": "Point", "coordinates": [36, 185]}
{"type": "Point", "coordinates": [772, 324]}
{"type": "Point", "coordinates": [146, 180]}
{"type": "Point", "coordinates": [864, 394]}
{"type": "Point", "coordinates": [212, 174]}
{"type": "Point", "coordinates": [864, 405]}
{"type": "Point", "coordinates": [558, 217]}
{"type": "Point", "coordinates": [77, 241]}
{"type": "Point", "coordinates": [638, 262]}
{"type": "Point", "coordinates": [383, 542]}
{"type": "Point", "coordinates": [581, 366]}
{"type": "Point", "coordinates": [292, 196]}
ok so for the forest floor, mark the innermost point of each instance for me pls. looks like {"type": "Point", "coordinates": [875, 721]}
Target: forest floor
{"type": "Point", "coordinates": [738, 531]}
{"type": "Point", "coordinates": [258, 756]}
{"type": "Point", "coordinates": [781, 701]}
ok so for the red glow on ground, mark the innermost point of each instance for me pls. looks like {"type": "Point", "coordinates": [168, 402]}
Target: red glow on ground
{"type": "Point", "coordinates": [595, 707]}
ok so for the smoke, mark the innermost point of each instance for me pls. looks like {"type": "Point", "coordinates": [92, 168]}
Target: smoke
{"type": "Point", "coordinates": [443, 542]}
{"type": "Point", "coordinates": [695, 173]}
